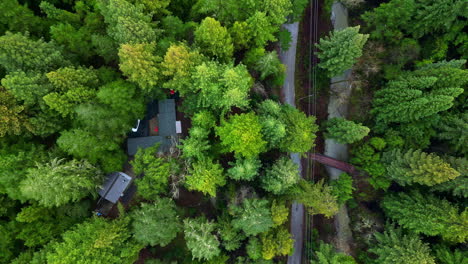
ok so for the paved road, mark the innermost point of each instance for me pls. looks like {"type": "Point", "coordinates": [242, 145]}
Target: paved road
{"type": "Point", "coordinates": [288, 58]}
{"type": "Point", "coordinates": [340, 91]}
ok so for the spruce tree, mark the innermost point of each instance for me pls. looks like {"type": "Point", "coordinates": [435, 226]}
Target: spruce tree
{"type": "Point", "coordinates": [281, 176]}
{"type": "Point", "coordinates": [253, 216]}
{"type": "Point", "coordinates": [415, 166]}
{"type": "Point", "coordinates": [345, 131]}
{"type": "Point", "coordinates": [427, 214]}
{"type": "Point", "coordinates": [201, 241]}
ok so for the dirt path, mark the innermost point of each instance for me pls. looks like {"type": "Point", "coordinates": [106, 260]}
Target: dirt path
{"type": "Point", "coordinates": [288, 58]}
{"type": "Point", "coordinates": [340, 91]}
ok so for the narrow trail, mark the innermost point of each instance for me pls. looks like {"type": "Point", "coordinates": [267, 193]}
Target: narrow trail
{"type": "Point", "coordinates": [340, 91]}
{"type": "Point", "coordinates": [288, 58]}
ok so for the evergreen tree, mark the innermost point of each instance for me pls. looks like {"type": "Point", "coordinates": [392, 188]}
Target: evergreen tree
{"type": "Point", "coordinates": [27, 87]}
{"type": "Point", "coordinates": [396, 247]}
{"type": "Point", "coordinates": [241, 134]}
{"type": "Point", "coordinates": [17, 17]}
{"type": "Point", "coordinates": [427, 214]}
{"type": "Point", "coordinates": [157, 223]}
{"type": "Point", "coordinates": [139, 64]}
{"type": "Point", "coordinates": [444, 255]}
{"type": "Point", "coordinates": [200, 239]}
{"type": "Point", "coordinates": [260, 28]}
{"type": "Point", "coordinates": [279, 212]}
{"type": "Point", "coordinates": [345, 131]}
{"type": "Point", "coordinates": [214, 39]}
{"type": "Point", "coordinates": [97, 240]}
{"type": "Point", "coordinates": [459, 185]}
{"type": "Point", "coordinates": [19, 53]}
{"type": "Point", "coordinates": [58, 182]}
{"type": "Point", "coordinates": [196, 145]}
{"type": "Point", "coordinates": [281, 176]}
{"type": "Point", "coordinates": [253, 216]}
{"type": "Point", "coordinates": [326, 254]}
{"type": "Point", "coordinates": [343, 188]}
{"type": "Point", "coordinates": [254, 248]}
{"type": "Point", "coordinates": [453, 129]}
{"type": "Point", "coordinates": [415, 166]}
{"type": "Point", "coordinates": [318, 198]}
{"type": "Point", "coordinates": [269, 65]}
{"type": "Point", "coordinates": [340, 50]}
{"type": "Point", "coordinates": [276, 242]}
{"type": "Point", "coordinates": [230, 236]}
{"type": "Point", "coordinates": [13, 121]}
{"type": "Point", "coordinates": [300, 130]}
{"type": "Point", "coordinates": [205, 176]}
{"type": "Point", "coordinates": [244, 169]}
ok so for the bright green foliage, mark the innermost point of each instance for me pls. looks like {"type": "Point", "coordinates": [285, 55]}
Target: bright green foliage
{"type": "Point", "coordinates": [231, 237]}
{"type": "Point", "coordinates": [326, 254]}
{"type": "Point", "coordinates": [205, 176]}
{"type": "Point", "coordinates": [317, 197]}
{"type": "Point", "coordinates": [19, 53]}
{"type": "Point", "coordinates": [39, 225]}
{"type": "Point", "coordinates": [446, 256]}
{"type": "Point", "coordinates": [155, 8]}
{"type": "Point", "coordinates": [427, 214]}
{"type": "Point", "coordinates": [368, 159]}
{"type": "Point", "coordinates": [261, 29]}
{"type": "Point", "coordinates": [343, 188]}
{"type": "Point", "coordinates": [204, 119]}
{"type": "Point", "coordinates": [277, 10]}
{"type": "Point", "coordinates": [219, 87]}
{"type": "Point", "coordinates": [254, 248]}
{"type": "Point", "coordinates": [244, 169]}
{"type": "Point", "coordinates": [73, 86]}
{"type": "Point", "coordinates": [240, 35]}
{"type": "Point", "coordinates": [15, 159]}
{"type": "Point", "coordinates": [200, 239]}
{"type": "Point", "coordinates": [96, 241]}
{"type": "Point", "coordinates": [459, 185]}
{"type": "Point", "coordinates": [58, 182]}
{"type": "Point", "coordinates": [214, 39]}
{"type": "Point", "coordinates": [277, 242]}
{"type": "Point", "coordinates": [273, 127]}
{"type": "Point", "coordinates": [197, 144]}
{"type": "Point", "coordinates": [453, 129]}
{"type": "Point", "coordinates": [139, 64]}
{"type": "Point", "coordinates": [241, 134]}
{"type": "Point", "coordinates": [83, 144]}
{"type": "Point", "coordinates": [300, 130]}
{"type": "Point", "coordinates": [253, 216]}
{"type": "Point", "coordinates": [341, 50]}
{"type": "Point", "coordinates": [378, 143]}
{"type": "Point", "coordinates": [345, 131]}
{"type": "Point", "coordinates": [156, 172]}
{"type": "Point", "coordinates": [157, 223]}
{"type": "Point", "coordinates": [126, 22]}
{"type": "Point", "coordinates": [13, 121]}
{"type": "Point", "coordinates": [178, 63]}
{"type": "Point", "coordinates": [415, 166]}
{"type": "Point", "coordinates": [27, 87]}
{"type": "Point", "coordinates": [281, 176]}
{"type": "Point", "coordinates": [269, 65]}
{"type": "Point", "coordinates": [395, 247]}
{"type": "Point", "coordinates": [279, 212]}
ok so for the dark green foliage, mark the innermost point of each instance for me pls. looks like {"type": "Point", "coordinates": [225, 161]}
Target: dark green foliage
{"type": "Point", "coordinates": [58, 182]}
{"type": "Point", "coordinates": [281, 176]}
{"type": "Point", "coordinates": [453, 129]}
{"type": "Point", "coordinates": [427, 214]}
{"type": "Point", "coordinates": [343, 188]}
{"type": "Point", "coordinates": [326, 254]}
{"type": "Point", "coordinates": [13, 120]}
{"type": "Point", "coordinates": [444, 255]}
{"type": "Point", "coordinates": [200, 239]}
{"type": "Point", "coordinates": [393, 246]}
{"type": "Point", "coordinates": [17, 17]}
{"type": "Point", "coordinates": [345, 131]}
{"type": "Point", "coordinates": [156, 224]}
{"type": "Point", "coordinates": [254, 248]}
{"type": "Point", "coordinates": [231, 237]}
{"type": "Point", "coordinates": [97, 240]}
{"type": "Point", "coordinates": [253, 216]}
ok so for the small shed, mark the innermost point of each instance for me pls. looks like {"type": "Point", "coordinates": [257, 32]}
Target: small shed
{"type": "Point", "coordinates": [114, 186]}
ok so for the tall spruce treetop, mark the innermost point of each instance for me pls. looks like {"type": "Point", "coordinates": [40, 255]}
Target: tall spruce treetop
{"type": "Point", "coordinates": [415, 166]}
{"type": "Point", "coordinates": [19, 53]}
{"type": "Point", "coordinates": [340, 50]}
{"type": "Point", "coordinates": [345, 131]}
{"type": "Point", "coordinates": [427, 214]}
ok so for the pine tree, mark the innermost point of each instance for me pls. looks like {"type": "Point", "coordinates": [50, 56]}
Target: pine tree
{"type": "Point", "coordinates": [318, 198]}
{"type": "Point", "coordinates": [427, 214]}
{"type": "Point", "coordinates": [140, 65]}
{"type": "Point", "coordinates": [253, 216]}
{"type": "Point", "coordinates": [340, 50]}
{"type": "Point", "coordinates": [58, 182]}
{"type": "Point", "coordinates": [281, 176]}
{"type": "Point", "coordinates": [396, 247]}
{"type": "Point", "coordinates": [214, 39]}
{"type": "Point", "coordinates": [157, 223]}
{"type": "Point", "coordinates": [415, 166]}
{"type": "Point", "coordinates": [19, 53]}
{"type": "Point", "coordinates": [345, 131]}
{"type": "Point", "coordinates": [444, 255]}
{"type": "Point", "coordinates": [205, 176]}
{"type": "Point", "coordinates": [326, 254]}
{"type": "Point", "coordinates": [200, 239]}
{"type": "Point", "coordinates": [300, 130]}
{"type": "Point", "coordinates": [459, 185]}
{"type": "Point", "coordinates": [453, 129]}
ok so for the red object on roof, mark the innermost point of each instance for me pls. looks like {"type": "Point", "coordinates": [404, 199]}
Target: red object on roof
{"type": "Point", "coordinates": [172, 91]}
{"type": "Point", "coordinates": [156, 129]}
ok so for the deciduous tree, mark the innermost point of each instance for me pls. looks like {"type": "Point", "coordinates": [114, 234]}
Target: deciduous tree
{"type": "Point", "coordinates": [326, 254]}
{"type": "Point", "coordinates": [253, 216]}
{"type": "Point", "coordinates": [281, 176]}
{"type": "Point", "coordinates": [214, 39]}
{"type": "Point", "coordinates": [205, 176]}
{"type": "Point", "coordinates": [244, 169]}
{"type": "Point", "coordinates": [276, 242]}
{"type": "Point", "coordinates": [317, 197]}
{"type": "Point", "coordinates": [201, 241]}
{"type": "Point", "coordinates": [300, 130]}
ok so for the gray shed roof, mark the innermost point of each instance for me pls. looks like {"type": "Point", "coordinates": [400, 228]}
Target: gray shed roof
{"type": "Point", "coordinates": [114, 186]}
